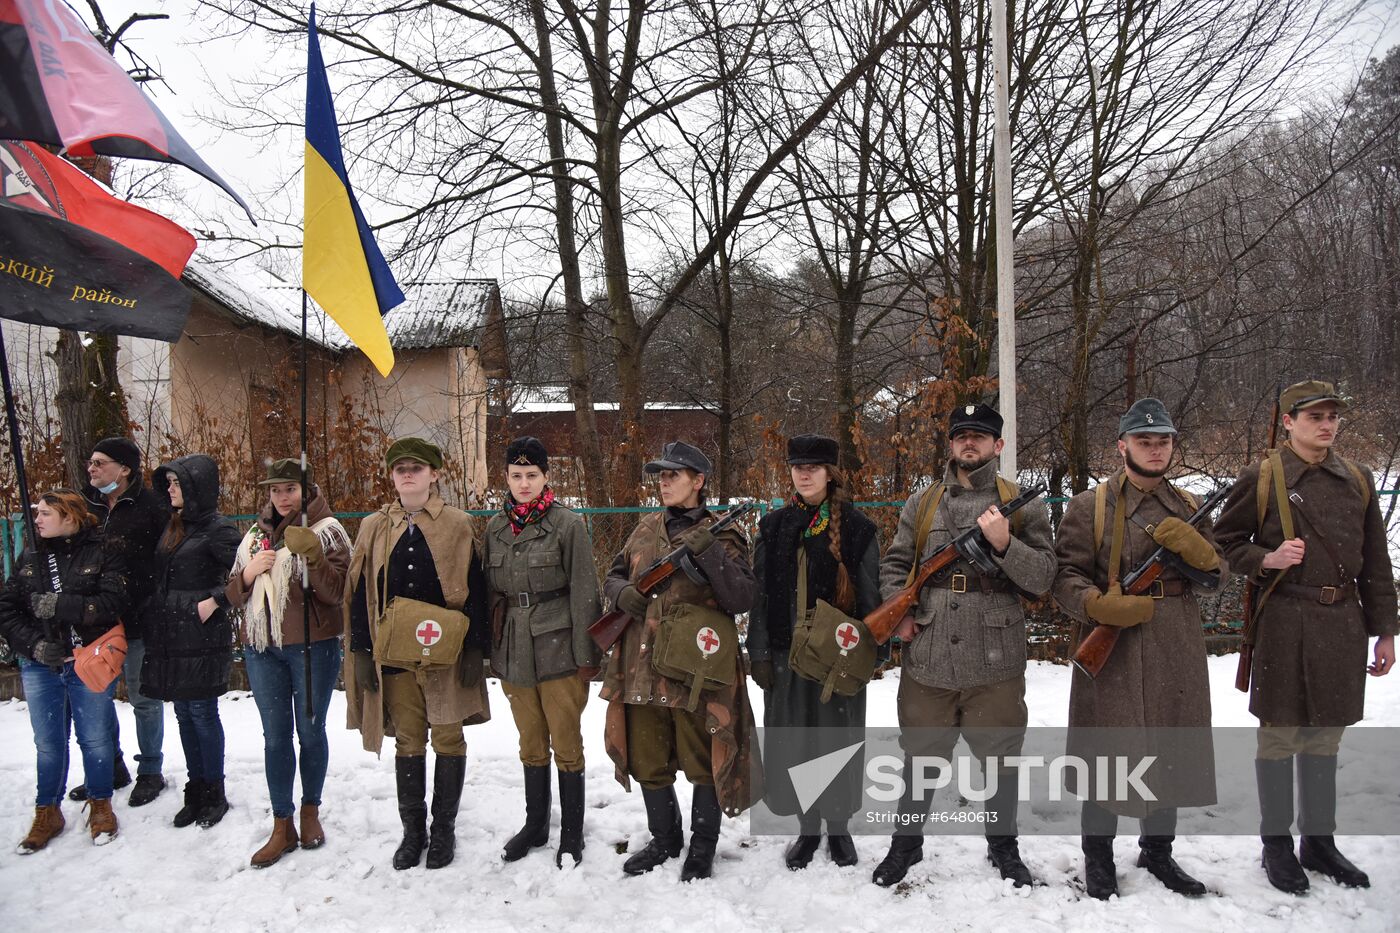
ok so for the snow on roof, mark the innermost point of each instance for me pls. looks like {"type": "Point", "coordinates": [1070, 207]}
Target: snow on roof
{"type": "Point", "coordinates": [536, 400]}
{"type": "Point", "coordinates": [435, 314]}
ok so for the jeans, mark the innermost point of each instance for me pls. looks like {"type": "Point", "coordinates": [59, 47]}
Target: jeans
{"type": "Point", "coordinates": [202, 736]}
{"type": "Point", "coordinates": [53, 698]}
{"type": "Point", "coordinates": [150, 714]}
{"type": "Point", "coordinates": [278, 678]}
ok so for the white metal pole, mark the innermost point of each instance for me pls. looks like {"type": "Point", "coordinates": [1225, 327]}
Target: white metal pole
{"type": "Point", "coordinates": [1006, 262]}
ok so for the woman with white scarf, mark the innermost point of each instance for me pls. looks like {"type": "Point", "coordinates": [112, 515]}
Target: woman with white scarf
{"type": "Point", "coordinates": [266, 584]}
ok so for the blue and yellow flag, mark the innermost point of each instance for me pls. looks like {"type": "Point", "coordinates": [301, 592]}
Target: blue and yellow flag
{"type": "Point", "coordinates": [341, 265]}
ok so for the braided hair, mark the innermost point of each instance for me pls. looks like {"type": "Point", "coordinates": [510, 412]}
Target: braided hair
{"type": "Point", "coordinates": [837, 494]}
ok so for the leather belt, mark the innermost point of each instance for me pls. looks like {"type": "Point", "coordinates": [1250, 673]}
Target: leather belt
{"type": "Point", "coordinates": [1161, 589]}
{"type": "Point", "coordinates": [1326, 595]}
{"type": "Point", "coordinates": [960, 582]}
{"type": "Point", "coordinates": [526, 600]}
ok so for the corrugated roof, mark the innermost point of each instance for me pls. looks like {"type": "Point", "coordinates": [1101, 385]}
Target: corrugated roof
{"type": "Point", "coordinates": [435, 314]}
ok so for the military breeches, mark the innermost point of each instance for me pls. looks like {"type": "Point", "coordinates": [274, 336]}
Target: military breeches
{"type": "Point", "coordinates": [1277, 742]}
{"type": "Point", "coordinates": [990, 718]}
{"type": "Point", "coordinates": [661, 740]}
{"type": "Point", "coordinates": [547, 716]}
{"type": "Point", "coordinates": [408, 709]}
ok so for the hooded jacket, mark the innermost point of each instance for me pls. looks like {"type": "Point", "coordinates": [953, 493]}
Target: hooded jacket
{"type": "Point", "coordinates": [187, 659]}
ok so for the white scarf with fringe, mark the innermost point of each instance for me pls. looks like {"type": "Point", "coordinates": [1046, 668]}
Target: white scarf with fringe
{"type": "Point", "coordinates": [262, 615]}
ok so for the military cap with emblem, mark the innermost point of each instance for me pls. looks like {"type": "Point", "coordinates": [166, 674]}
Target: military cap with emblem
{"type": "Point", "coordinates": [982, 418]}
{"type": "Point", "coordinates": [286, 470]}
{"type": "Point", "coordinates": [413, 448]}
{"type": "Point", "coordinates": [678, 455]}
{"type": "Point", "coordinates": [1302, 395]}
{"type": "Point", "coordinates": [527, 451]}
{"type": "Point", "coordinates": [812, 448]}
{"type": "Point", "coordinates": [1146, 416]}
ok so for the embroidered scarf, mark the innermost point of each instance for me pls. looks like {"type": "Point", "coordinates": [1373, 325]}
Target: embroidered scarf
{"type": "Point", "coordinates": [821, 515]}
{"type": "Point", "coordinates": [262, 616]}
{"type": "Point", "coordinates": [530, 512]}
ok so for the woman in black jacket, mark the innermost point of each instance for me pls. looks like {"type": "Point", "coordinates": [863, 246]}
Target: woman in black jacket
{"type": "Point", "coordinates": [189, 636]}
{"type": "Point", "coordinates": [66, 591]}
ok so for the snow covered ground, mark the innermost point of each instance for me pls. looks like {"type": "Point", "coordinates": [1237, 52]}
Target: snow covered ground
{"type": "Point", "coordinates": [156, 878]}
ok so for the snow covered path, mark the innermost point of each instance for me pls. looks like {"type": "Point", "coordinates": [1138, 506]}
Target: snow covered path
{"type": "Point", "coordinates": [155, 878]}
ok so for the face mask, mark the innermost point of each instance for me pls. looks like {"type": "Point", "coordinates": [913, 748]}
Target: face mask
{"type": "Point", "coordinates": [108, 489]}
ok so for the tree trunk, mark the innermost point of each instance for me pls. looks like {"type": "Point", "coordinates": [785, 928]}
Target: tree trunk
{"type": "Point", "coordinates": [90, 401]}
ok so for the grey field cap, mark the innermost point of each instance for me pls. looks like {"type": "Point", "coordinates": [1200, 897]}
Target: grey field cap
{"type": "Point", "coordinates": [1147, 416]}
{"type": "Point", "coordinates": [678, 455]}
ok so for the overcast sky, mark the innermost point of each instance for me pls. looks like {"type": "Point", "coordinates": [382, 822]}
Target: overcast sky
{"type": "Point", "coordinates": [194, 55]}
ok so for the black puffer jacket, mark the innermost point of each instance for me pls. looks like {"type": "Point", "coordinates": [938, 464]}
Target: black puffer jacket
{"type": "Point", "coordinates": [92, 600]}
{"type": "Point", "coordinates": [187, 659]}
{"type": "Point", "coordinates": [131, 529]}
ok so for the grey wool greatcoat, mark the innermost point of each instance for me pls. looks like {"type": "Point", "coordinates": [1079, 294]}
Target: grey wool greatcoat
{"type": "Point", "coordinates": [969, 639]}
{"type": "Point", "coordinates": [1155, 684]}
{"type": "Point", "coordinates": [1309, 658]}
{"type": "Point", "coordinates": [549, 639]}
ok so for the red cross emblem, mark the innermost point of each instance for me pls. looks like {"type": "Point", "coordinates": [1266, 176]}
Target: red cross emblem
{"type": "Point", "coordinates": [847, 635]}
{"type": "Point", "coordinates": [707, 640]}
{"type": "Point", "coordinates": [428, 634]}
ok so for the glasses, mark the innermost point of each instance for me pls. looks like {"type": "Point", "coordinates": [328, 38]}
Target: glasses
{"type": "Point", "coordinates": [96, 464]}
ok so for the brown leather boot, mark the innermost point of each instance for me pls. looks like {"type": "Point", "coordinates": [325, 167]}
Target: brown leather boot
{"type": "Point", "coordinates": [282, 841]}
{"type": "Point", "coordinates": [102, 822]}
{"type": "Point", "coordinates": [312, 835]}
{"type": "Point", "coordinates": [48, 823]}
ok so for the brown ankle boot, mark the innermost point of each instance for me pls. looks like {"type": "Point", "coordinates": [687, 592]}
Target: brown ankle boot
{"type": "Point", "coordinates": [102, 822]}
{"type": "Point", "coordinates": [48, 822]}
{"type": "Point", "coordinates": [282, 841]}
{"type": "Point", "coordinates": [312, 835]}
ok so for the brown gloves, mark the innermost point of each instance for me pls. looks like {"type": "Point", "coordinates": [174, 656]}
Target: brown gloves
{"type": "Point", "coordinates": [1113, 608]}
{"type": "Point", "coordinates": [303, 542]}
{"type": "Point", "coordinates": [1180, 538]}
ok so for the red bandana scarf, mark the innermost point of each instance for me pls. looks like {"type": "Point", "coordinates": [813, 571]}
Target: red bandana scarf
{"type": "Point", "coordinates": [530, 512]}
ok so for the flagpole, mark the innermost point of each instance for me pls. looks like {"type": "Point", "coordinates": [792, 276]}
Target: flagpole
{"type": "Point", "coordinates": [305, 569]}
{"type": "Point", "coordinates": [16, 448]}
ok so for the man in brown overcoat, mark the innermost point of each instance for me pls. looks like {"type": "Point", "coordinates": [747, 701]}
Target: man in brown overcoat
{"type": "Point", "coordinates": [1153, 692]}
{"type": "Point", "coordinates": [1324, 587]}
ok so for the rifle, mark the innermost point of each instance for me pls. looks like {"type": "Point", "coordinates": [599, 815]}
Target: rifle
{"type": "Point", "coordinates": [971, 546]}
{"type": "Point", "coordinates": [610, 625]}
{"type": "Point", "coordinates": [1093, 652]}
{"type": "Point", "coordinates": [1245, 669]}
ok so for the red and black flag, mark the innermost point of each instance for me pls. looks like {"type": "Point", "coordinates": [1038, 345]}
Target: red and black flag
{"type": "Point", "coordinates": [74, 256]}
{"type": "Point", "coordinates": [59, 86]}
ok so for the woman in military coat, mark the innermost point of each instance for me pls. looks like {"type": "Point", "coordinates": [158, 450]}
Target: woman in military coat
{"type": "Point", "coordinates": [842, 552]}
{"type": "Point", "coordinates": [544, 595]}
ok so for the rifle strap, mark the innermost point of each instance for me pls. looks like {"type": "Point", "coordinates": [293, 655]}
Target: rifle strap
{"type": "Point", "coordinates": [928, 507]}
{"type": "Point", "coordinates": [1006, 491]}
{"type": "Point", "coordinates": [1120, 519]}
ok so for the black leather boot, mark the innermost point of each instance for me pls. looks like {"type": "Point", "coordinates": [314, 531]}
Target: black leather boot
{"type": "Point", "coordinates": [704, 833]}
{"type": "Point", "coordinates": [570, 817]}
{"type": "Point", "coordinates": [1002, 849]}
{"type": "Point", "coordinates": [1155, 844]}
{"type": "Point", "coordinates": [449, 774]}
{"type": "Point", "coordinates": [1100, 879]}
{"type": "Point", "coordinates": [411, 780]}
{"type": "Point", "coordinates": [907, 845]}
{"type": "Point", "coordinates": [1274, 778]}
{"type": "Point", "coordinates": [800, 851]}
{"type": "Point", "coordinates": [664, 822]}
{"type": "Point", "coordinates": [535, 832]}
{"type": "Point", "coordinates": [839, 843]}
{"type": "Point", "coordinates": [1317, 822]}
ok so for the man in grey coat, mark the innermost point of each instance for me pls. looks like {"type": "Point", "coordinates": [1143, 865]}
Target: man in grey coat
{"type": "Point", "coordinates": [964, 671]}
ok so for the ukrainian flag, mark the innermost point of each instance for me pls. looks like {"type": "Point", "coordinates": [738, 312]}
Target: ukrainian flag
{"type": "Point", "coordinates": [341, 265]}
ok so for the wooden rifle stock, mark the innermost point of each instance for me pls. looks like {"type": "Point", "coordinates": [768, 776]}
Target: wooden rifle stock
{"type": "Point", "coordinates": [885, 618]}
{"type": "Point", "coordinates": [608, 627]}
{"type": "Point", "coordinates": [1096, 648]}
